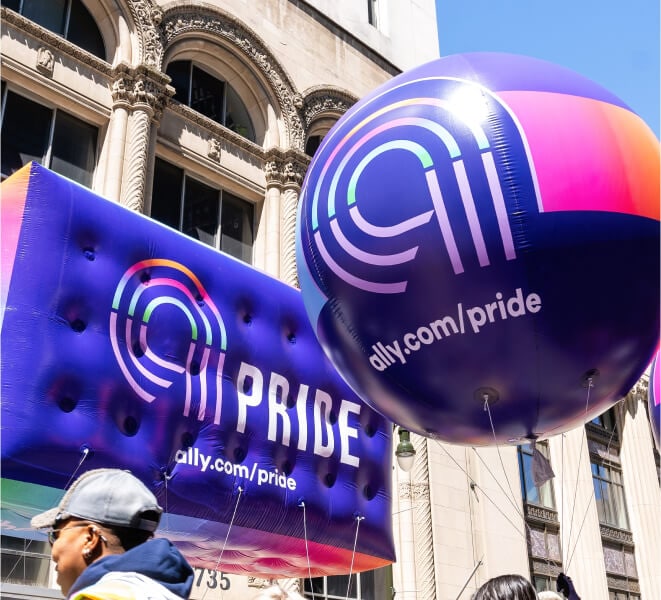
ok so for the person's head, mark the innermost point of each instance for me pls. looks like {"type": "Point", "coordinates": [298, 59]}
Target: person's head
{"type": "Point", "coordinates": [549, 595]}
{"type": "Point", "coordinates": [105, 511]}
{"type": "Point", "coordinates": [506, 587]}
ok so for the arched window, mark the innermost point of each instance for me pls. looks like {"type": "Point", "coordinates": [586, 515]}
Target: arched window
{"type": "Point", "coordinates": [210, 96]}
{"type": "Point", "coordinates": [68, 18]}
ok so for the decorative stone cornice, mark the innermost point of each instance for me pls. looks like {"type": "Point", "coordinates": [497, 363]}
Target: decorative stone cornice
{"type": "Point", "coordinates": [285, 169]}
{"type": "Point", "coordinates": [325, 101]}
{"type": "Point", "coordinates": [141, 88]}
{"type": "Point", "coordinates": [541, 514]}
{"type": "Point", "coordinates": [52, 41]}
{"type": "Point", "coordinates": [613, 534]}
{"type": "Point", "coordinates": [183, 19]}
{"type": "Point", "coordinates": [215, 129]}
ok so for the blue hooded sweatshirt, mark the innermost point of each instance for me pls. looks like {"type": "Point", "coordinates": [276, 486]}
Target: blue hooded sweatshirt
{"type": "Point", "coordinates": [155, 569]}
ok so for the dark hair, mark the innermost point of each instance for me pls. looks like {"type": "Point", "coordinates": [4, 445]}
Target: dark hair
{"type": "Point", "coordinates": [129, 537]}
{"type": "Point", "coordinates": [506, 587]}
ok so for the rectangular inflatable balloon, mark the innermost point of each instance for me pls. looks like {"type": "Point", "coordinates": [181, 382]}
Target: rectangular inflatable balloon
{"type": "Point", "coordinates": [127, 344]}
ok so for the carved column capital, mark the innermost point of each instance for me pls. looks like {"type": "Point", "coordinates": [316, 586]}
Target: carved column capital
{"type": "Point", "coordinates": [141, 88]}
{"type": "Point", "coordinates": [285, 169]}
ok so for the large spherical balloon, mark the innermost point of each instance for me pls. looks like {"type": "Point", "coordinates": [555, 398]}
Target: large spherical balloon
{"type": "Point", "coordinates": [654, 399]}
{"type": "Point", "coordinates": [483, 228]}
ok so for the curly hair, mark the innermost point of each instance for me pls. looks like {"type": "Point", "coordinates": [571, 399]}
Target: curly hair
{"type": "Point", "coordinates": [506, 587]}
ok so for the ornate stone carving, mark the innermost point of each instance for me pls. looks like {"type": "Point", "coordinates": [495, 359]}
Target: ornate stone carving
{"type": "Point", "coordinates": [181, 19]}
{"type": "Point", "coordinates": [294, 173]}
{"type": "Point", "coordinates": [45, 60]}
{"type": "Point", "coordinates": [148, 18]}
{"type": "Point", "coordinates": [540, 513]}
{"type": "Point", "coordinates": [53, 41]}
{"type": "Point", "coordinates": [213, 149]}
{"type": "Point", "coordinates": [414, 491]}
{"type": "Point", "coordinates": [285, 169]}
{"type": "Point", "coordinates": [141, 87]}
{"type": "Point", "coordinates": [616, 535]}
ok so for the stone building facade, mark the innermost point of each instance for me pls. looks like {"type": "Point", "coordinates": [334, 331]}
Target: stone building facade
{"type": "Point", "coordinates": [204, 115]}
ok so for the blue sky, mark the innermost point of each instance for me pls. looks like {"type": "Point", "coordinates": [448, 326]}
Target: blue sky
{"type": "Point", "coordinates": [613, 42]}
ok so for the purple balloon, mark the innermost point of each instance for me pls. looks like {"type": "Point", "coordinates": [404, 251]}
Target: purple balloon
{"type": "Point", "coordinates": [473, 235]}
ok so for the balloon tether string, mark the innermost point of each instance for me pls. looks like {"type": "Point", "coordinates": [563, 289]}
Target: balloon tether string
{"type": "Point", "coordinates": [359, 518]}
{"type": "Point", "coordinates": [85, 453]}
{"type": "Point", "coordinates": [229, 528]}
{"type": "Point", "coordinates": [585, 514]}
{"type": "Point", "coordinates": [307, 550]}
{"type": "Point", "coordinates": [590, 385]}
{"type": "Point", "coordinates": [502, 465]}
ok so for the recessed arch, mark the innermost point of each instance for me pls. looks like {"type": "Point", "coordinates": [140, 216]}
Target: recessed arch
{"type": "Point", "coordinates": [224, 64]}
{"type": "Point", "coordinates": [264, 81]}
{"type": "Point", "coordinates": [323, 106]}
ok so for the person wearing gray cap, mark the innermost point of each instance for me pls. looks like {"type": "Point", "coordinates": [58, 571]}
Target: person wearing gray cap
{"type": "Point", "coordinates": [101, 537]}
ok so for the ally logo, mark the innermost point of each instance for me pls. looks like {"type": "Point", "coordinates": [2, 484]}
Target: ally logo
{"type": "Point", "coordinates": [420, 133]}
{"type": "Point", "coordinates": [151, 352]}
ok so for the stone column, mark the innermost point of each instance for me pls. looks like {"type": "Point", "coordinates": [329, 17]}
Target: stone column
{"type": "Point", "coordinates": [139, 96]}
{"type": "Point", "coordinates": [271, 217]}
{"type": "Point", "coordinates": [293, 174]}
{"type": "Point", "coordinates": [425, 573]}
{"type": "Point", "coordinates": [404, 571]}
{"type": "Point", "coordinates": [116, 140]}
{"type": "Point", "coordinates": [643, 496]}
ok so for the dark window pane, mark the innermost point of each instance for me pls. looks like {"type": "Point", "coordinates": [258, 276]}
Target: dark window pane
{"type": "Point", "coordinates": [179, 72]}
{"type": "Point", "coordinates": [337, 586]}
{"type": "Point", "coordinates": [237, 118]}
{"type": "Point", "coordinates": [236, 228]}
{"type": "Point", "coordinates": [74, 160]}
{"type": "Point", "coordinates": [47, 13]}
{"type": "Point", "coordinates": [84, 32]}
{"type": "Point", "coordinates": [207, 95]}
{"type": "Point", "coordinates": [13, 4]}
{"type": "Point", "coordinates": [315, 586]}
{"type": "Point", "coordinates": [166, 193]}
{"type": "Point", "coordinates": [312, 144]}
{"type": "Point", "coordinates": [201, 205]}
{"type": "Point", "coordinates": [25, 132]}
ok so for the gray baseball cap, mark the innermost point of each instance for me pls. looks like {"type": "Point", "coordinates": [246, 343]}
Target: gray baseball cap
{"type": "Point", "coordinates": [108, 497]}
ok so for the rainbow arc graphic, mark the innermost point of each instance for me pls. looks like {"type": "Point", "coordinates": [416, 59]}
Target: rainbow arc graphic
{"type": "Point", "coordinates": [143, 289]}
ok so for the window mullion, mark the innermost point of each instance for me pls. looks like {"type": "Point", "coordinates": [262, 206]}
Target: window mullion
{"type": "Point", "coordinates": [182, 201]}
{"type": "Point", "coordinates": [67, 18]}
{"type": "Point", "coordinates": [219, 215]}
{"type": "Point", "coordinates": [190, 84]}
{"type": "Point", "coordinates": [49, 146]}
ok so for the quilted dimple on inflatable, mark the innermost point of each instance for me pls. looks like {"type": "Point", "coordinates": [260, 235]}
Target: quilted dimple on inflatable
{"type": "Point", "coordinates": [130, 345]}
